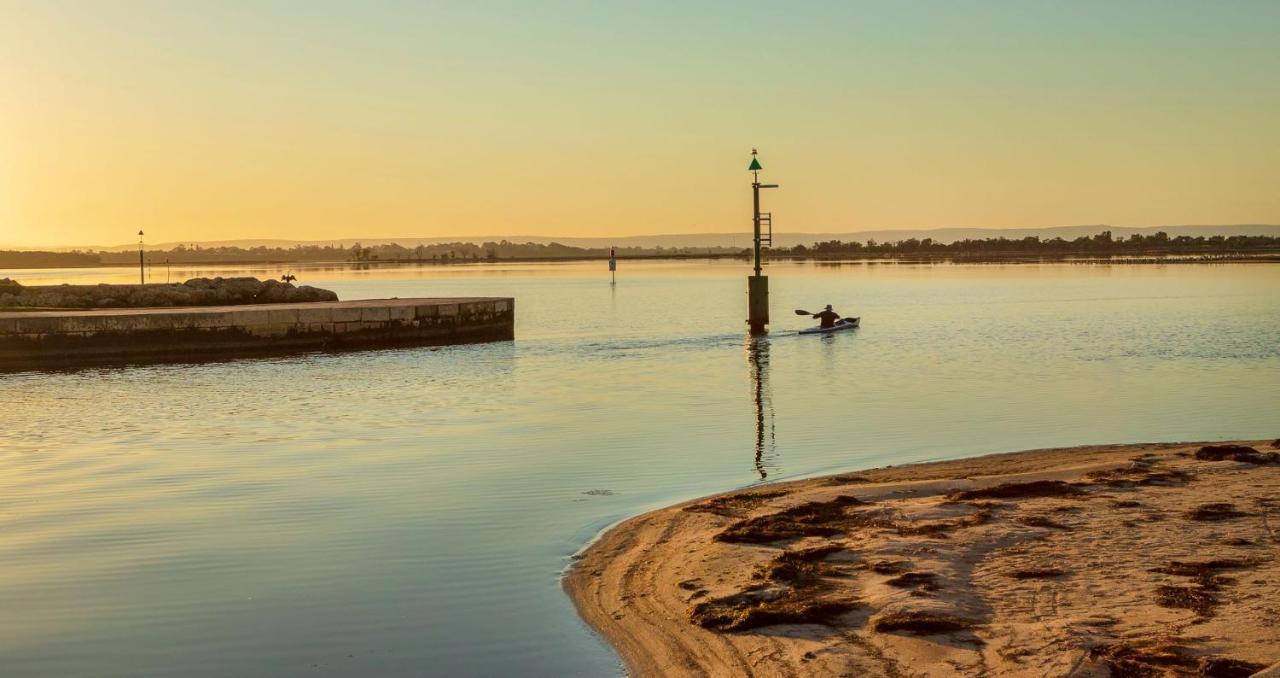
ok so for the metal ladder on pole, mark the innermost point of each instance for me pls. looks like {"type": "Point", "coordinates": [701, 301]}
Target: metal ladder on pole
{"type": "Point", "coordinates": [766, 229]}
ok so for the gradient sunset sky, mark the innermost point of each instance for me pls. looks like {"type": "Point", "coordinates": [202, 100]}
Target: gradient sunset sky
{"type": "Point", "coordinates": [315, 120]}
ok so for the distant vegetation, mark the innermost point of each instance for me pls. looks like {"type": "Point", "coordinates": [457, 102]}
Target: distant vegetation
{"type": "Point", "coordinates": [24, 259]}
{"type": "Point", "coordinates": [1102, 244]}
{"type": "Point", "coordinates": [441, 253]}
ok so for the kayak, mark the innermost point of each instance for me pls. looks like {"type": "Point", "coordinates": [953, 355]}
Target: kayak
{"type": "Point", "coordinates": [841, 324]}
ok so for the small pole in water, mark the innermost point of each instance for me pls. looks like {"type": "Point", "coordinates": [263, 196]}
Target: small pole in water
{"type": "Point", "coordinates": [757, 284]}
{"type": "Point", "coordinates": [613, 266]}
{"type": "Point", "coordinates": [142, 271]}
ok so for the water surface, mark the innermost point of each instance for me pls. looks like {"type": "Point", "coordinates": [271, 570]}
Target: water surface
{"type": "Point", "coordinates": [409, 512]}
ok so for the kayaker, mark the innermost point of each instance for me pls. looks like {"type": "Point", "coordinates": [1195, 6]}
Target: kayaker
{"type": "Point", "coordinates": [828, 317]}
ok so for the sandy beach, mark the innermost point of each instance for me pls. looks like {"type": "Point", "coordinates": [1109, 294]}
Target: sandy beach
{"type": "Point", "coordinates": [1125, 560]}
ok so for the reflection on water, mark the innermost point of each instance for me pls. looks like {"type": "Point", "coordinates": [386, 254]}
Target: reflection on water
{"type": "Point", "coordinates": [766, 440]}
{"type": "Point", "coordinates": [407, 512]}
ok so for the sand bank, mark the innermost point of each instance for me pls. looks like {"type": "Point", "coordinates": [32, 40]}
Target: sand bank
{"type": "Point", "coordinates": [1129, 560]}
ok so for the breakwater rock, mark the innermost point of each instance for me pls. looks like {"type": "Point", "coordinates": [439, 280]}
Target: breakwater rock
{"type": "Point", "coordinates": [194, 292]}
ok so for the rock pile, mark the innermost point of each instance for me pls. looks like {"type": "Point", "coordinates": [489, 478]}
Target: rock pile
{"type": "Point", "coordinates": [194, 292]}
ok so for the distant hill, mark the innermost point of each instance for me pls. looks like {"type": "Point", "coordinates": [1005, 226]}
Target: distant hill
{"type": "Point", "coordinates": [740, 239]}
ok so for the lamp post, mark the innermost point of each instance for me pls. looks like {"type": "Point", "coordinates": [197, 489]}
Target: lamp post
{"type": "Point", "coordinates": [142, 271]}
{"type": "Point", "coordinates": [757, 284]}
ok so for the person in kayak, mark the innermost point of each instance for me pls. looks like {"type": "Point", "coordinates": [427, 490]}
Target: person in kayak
{"type": "Point", "coordinates": [828, 317]}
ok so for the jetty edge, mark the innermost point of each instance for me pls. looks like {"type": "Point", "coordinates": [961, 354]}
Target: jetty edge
{"type": "Point", "coordinates": [52, 338]}
{"type": "Point", "coordinates": [1142, 559]}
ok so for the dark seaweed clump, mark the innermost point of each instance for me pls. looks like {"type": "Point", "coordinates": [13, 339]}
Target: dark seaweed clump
{"type": "Point", "coordinates": [923, 581]}
{"type": "Point", "coordinates": [1037, 573]}
{"type": "Point", "coordinates": [1203, 568]}
{"type": "Point", "coordinates": [1224, 667]}
{"type": "Point", "coordinates": [1140, 473]}
{"type": "Point", "coordinates": [799, 568]}
{"type": "Point", "coordinates": [795, 593]}
{"type": "Point", "coordinates": [1151, 660]}
{"type": "Point", "coordinates": [1215, 511]}
{"type": "Point", "coordinates": [1236, 453]}
{"type": "Point", "coordinates": [889, 566]}
{"type": "Point", "coordinates": [753, 609]}
{"type": "Point", "coordinates": [1201, 596]}
{"type": "Point", "coordinates": [811, 519]}
{"type": "Point", "coordinates": [920, 623]}
{"type": "Point", "coordinates": [942, 528]}
{"type": "Point", "coordinates": [1043, 521]}
{"type": "Point", "coordinates": [847, 479]}
{"type": "Point", "coordinates": [1038, 488]}
{"type": "Point", "coordinates": [734, 504]}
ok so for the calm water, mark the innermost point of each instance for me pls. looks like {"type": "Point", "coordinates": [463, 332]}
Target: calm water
{"type": "Point", "coordinates": [409, 512]}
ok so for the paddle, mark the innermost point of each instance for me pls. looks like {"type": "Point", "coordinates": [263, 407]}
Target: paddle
{"type": "Point", "coordinates": [800, 312]}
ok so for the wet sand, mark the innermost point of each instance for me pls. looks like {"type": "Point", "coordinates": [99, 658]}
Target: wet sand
{"type": "Point", "coordinates": [1127, 560]}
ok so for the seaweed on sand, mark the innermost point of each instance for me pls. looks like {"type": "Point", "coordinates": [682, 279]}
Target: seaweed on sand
{"type": "Point", "coordinates": [1037, 488]}
{"type": "Point", "coordinates": [801, 567]}
{"type": "Point", "coordinates": [1037, 573]}
{"type": "Point", "coordinates": [753, 609]}
{"type": "Point", "coordinates": [1139, 473]}
{"type": "Point", "coordinates": [847, 479]}
{"type": "Point", "coordinates": [1215, 511]}
{"type": "Point", "coordinates": [920, 623]}
{"type": "Point", "coordinates": [793, 592]}
{"type": "Point", "coordinates": [1130, 477]}
{"type": "Point", "coordinates": [1043, 521]}
{"type": "Point", "coordinates": [1201, 596]}
{"type": "Point", "coordinates": [924, 581]}
{"type": "Point", "coordinates": [1165, 658]}
{"type": "Point", "coordinates": [889, 566]}
{"type": "Point", "coordinates": [1236, 453]}
{"type": "Point", "coordinates": [1225, 667]}
{"type": "Point", "coordinates": [1203, 568]}
{"type": "Point", "coordinates": [943, 528]}
{"type": "Point", "coordinates": [734, 504]}
{"type": "Point", "coordinates": [811, 519]}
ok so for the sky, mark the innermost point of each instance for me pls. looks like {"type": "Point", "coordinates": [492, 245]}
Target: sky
{"type": "Point", "coordinates": [313, 119]}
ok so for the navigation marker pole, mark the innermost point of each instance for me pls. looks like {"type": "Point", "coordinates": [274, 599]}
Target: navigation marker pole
{"type": "Point", "coordinates": [758, 285]}
{"type": "Point", "coordinates": [142, 271]}
{"type": "Point", "coordinates": [613, 266]}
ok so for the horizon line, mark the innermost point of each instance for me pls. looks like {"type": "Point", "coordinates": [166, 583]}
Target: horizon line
{"type": "Point", "coordinates": [522, 238]}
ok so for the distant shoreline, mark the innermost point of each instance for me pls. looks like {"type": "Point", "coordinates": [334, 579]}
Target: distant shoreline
{"type": "Point", "coordinates": [959, 258]}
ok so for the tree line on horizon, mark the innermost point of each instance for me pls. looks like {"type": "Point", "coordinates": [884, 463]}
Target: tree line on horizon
{"type": "Point", "coordinates": [465, 252]}
{"type": "Point", "coordinates": [440, 253]}
{"type": "Point", "coordinates": [1102, 243]}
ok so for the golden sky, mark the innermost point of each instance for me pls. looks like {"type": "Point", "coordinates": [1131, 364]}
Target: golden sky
{"type": "Point", "coordinates": [316, 120]}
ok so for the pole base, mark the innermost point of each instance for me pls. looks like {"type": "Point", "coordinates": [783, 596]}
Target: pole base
{"type": "Point", "coordinates": [758, 303]}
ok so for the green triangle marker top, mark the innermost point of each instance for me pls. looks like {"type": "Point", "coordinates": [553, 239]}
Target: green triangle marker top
{"type": "Point", "coordinates": [755, 166]}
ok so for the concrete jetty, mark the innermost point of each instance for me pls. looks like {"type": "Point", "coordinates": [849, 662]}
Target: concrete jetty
{"type": "Point", "coordinates": [50, 339]}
